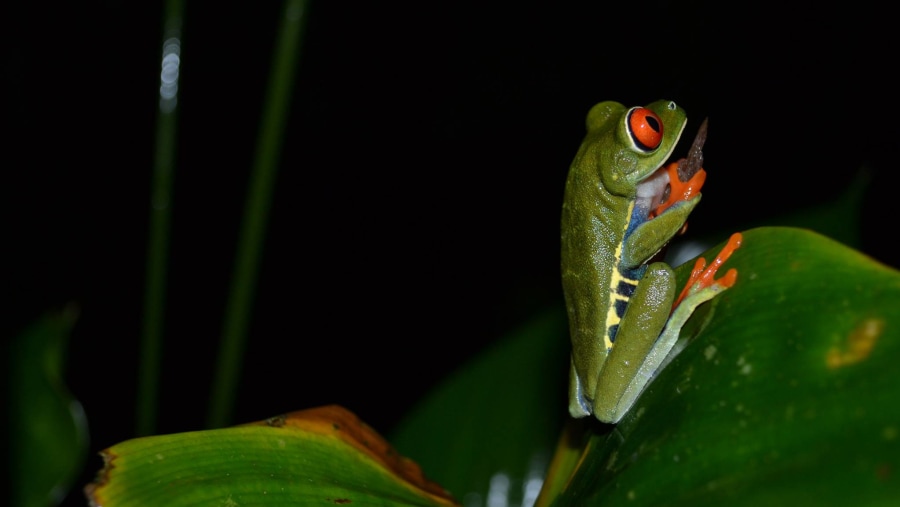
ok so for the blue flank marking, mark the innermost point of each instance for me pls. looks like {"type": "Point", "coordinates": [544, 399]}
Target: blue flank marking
{"type": "Point", "coordinates": [638, 217]}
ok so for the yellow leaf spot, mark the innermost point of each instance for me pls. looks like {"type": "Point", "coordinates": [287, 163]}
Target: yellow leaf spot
{"type": "Point", "coordinates": [859, 344]}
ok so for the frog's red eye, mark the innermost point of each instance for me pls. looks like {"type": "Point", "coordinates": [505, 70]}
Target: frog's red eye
{"type": "Point", "coordinates": [645, 127]}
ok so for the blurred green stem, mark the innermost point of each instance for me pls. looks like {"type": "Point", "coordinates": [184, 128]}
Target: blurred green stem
{"type": "Point", "coordinates": [256, 211]}
{"type": "Point", "coordinates": [160, 216]}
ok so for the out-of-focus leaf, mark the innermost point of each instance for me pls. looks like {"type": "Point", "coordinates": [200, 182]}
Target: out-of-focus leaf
{"type": "Point", "coordinates": [490, 428]}
{"type": "Point", "coordinates": [838, 219]}
{"type": "Point", "coordinates": [48, 429]}
{"type": "Point", "coordinates": [786, 393]}
{"type": "Point", "coordinates": [321, 456]}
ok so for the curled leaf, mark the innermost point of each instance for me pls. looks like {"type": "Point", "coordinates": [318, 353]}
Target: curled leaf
{"type": "Point", "coordinates": [323, 455]}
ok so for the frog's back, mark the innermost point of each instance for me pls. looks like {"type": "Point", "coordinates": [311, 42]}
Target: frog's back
{"type": "Point", "coordinates": [593, 226]}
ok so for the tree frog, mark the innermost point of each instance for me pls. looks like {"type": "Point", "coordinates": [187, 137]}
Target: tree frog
{"type": "Point", "coordinates": [624, 317]}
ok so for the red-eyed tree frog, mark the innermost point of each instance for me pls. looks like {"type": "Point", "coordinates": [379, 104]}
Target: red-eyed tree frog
{"type": "Point", "coordinates": [620, 209]}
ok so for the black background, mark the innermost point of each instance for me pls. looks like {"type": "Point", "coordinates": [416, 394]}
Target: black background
{"type": "Point", "coordinates": [415, 217]}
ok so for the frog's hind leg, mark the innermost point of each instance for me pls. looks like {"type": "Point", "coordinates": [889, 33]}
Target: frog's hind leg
{"type": "Point", "coordinates": [703, 277]}
{"type": "Point", "coordinates": [646, 337]}
{"type": "Point", "coordinates": [700, 288]}
{"type": "Point", "coordinates": [636, 340]}
{"type": "Point", "coordinates": [579, 405]}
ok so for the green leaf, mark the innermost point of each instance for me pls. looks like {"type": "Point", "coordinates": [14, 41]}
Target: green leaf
{"type": "Point", "coordinates": [318, 456]}
{"type": "Point", "coordinates": [786, 392]}
{"type": "Point", "coordinates": [48, 427]}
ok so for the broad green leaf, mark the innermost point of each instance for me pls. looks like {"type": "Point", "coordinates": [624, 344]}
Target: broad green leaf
{"type": "Point", "coordinates": [318, 456]}
{"type": "Point", "coordinates": [48, 442]}
{"type": "Point", "coordinates": [787, 392]}
{"type": "Point", "coordinates": [492, 425]}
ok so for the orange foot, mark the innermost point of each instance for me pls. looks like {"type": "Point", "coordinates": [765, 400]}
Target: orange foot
{"type": "Point", "coordinates": [702, 278]}
{"type": "Point", "coordinates": [679, 190]}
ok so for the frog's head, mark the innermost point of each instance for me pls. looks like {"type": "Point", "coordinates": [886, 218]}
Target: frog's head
{"type": "Point", "coordinates": [631, 144]}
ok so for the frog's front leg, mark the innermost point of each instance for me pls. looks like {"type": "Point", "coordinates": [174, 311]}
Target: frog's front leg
{"type": "Point", "coordinates": [650, 236]}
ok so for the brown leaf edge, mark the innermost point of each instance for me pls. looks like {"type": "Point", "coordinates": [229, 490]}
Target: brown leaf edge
{"type": "Point", "coordinates": [337, 421]}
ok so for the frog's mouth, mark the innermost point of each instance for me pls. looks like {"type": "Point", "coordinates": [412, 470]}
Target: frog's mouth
{"type": "Point", "coordinates": [668, 185]}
